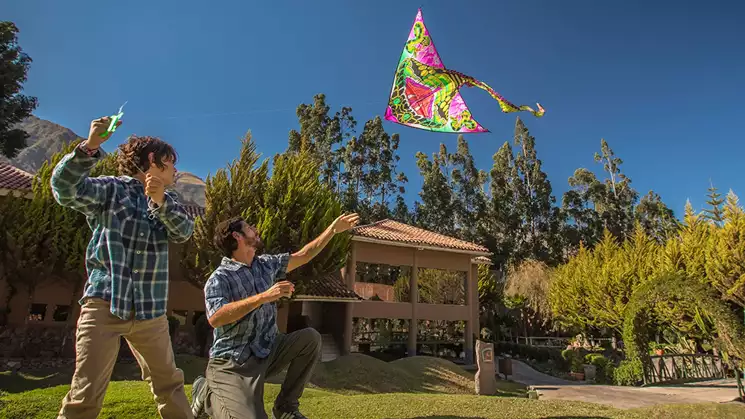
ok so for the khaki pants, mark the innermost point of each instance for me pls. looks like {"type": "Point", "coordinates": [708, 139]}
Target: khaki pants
{"type": "Point", "coordinates": [97, 347]}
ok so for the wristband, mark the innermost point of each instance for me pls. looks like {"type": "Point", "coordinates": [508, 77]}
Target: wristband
{"type": "Point", "coordinates": [83, 147]}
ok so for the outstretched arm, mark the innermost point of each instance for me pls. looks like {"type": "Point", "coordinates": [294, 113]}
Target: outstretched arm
{"type": "Point", "coordinates": [312, 249]}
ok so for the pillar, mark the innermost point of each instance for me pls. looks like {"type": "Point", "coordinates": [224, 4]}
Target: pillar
{"type": "Point", "coordinates": [472, 302]}
{"type": "Point", "coordinates": [414, 296]}
{"type": "Point", "coordinates": [350, 272]}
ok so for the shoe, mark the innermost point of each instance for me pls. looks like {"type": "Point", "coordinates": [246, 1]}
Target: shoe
{"type": "Point", "coordinates": [277, 414]}
{"type": "Point", "coordinates": [198, 396]}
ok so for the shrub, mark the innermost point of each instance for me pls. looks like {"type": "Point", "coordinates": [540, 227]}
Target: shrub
{"type": "Point", "coordinates": [540, 354]}
{"type": "Point", "coordinates": [629, 373]}
{"type": "Point", "coordinates": [574, 358]}
{"type": "Point", "coordinates": [605, 369]}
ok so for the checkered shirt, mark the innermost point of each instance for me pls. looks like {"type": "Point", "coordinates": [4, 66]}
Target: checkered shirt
{"type": "Point", "coordinates": [127, 256]}
{"type": "Point", "coordinates": [234, 281]}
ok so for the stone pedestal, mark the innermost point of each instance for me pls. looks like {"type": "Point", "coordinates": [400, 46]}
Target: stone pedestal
{"type": "Point", "coordinates": [486, 380]}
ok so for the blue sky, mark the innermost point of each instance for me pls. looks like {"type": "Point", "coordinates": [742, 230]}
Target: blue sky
{"type": "Point", "coordinates": [662, 81]}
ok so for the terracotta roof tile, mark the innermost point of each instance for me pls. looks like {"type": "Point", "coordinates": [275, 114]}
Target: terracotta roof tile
{"type": "Point", "coordinates": [393, 231]}
{"type": "Point", "coordinates": [482, 260]}
{"type": "Point", "coordinates": [14, 178]}
{"type": "Point", "coordinates": [330, 286]}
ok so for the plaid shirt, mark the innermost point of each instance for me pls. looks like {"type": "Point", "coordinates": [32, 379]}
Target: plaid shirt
{"type": "Point", "coordinates": [127, 257]}
{"type": "Point", "coordinates": [234, 281]}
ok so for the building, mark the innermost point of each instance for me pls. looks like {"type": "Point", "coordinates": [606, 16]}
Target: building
{"type": "Point", "coordinates": [331, 304]}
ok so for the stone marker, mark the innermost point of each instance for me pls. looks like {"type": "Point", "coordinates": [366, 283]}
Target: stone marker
{"type": "Point", "coordinates": [486, 380]}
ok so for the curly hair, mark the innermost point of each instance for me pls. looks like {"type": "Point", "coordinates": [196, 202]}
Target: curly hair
{"type": "Point", "coordinates": [224, 240]}
{"type": "Point", "coordinates": [133, 155]}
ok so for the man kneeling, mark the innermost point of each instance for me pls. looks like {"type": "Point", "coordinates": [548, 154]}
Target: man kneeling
{"type": "Point", "coordinates": [240, 297]}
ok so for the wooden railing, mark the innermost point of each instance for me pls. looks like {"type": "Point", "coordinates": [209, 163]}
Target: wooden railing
{"type": "Point", "coordinates": [557, 342]}
{"type": "Point", "coordinates": [671, 369]}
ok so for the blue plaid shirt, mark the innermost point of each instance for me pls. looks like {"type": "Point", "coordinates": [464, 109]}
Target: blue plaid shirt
{"type": "Point", "coordinates": [127, 257]}
{"type": "Point", "coordinates": [234, 281]}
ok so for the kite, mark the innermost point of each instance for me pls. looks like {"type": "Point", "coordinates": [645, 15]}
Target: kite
{"type": "Point", "coordinates": [114, 119]}
{"type": "Point", "coordinates": [426, 95]}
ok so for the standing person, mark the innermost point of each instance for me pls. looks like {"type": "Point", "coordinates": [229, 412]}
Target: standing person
{"type": "Point", "coordinates": [133, 219]}
{"type": "Point", "coordinates": [240, 297]}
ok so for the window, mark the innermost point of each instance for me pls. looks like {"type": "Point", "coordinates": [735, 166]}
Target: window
{"type": "Point", "coordinates": [37, 312]}
{"type": "Point", "coordinates": [61, 313]}
{"type": "Point", "coordinates": [197, 315]}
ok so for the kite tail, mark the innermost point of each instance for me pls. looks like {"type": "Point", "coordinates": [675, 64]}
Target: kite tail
{"type": "Point", "coordinates": [507, 106]}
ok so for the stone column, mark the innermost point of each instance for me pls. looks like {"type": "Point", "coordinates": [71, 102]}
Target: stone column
{"type": "Point", "coordinates": [414, 295]}
{"type": "Point", "coordinates": [486, 380]}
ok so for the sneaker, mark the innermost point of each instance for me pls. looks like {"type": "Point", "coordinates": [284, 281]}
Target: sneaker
{"type": "Point", "coordinates": [277, 414]}
{"type": "Point", "coordinates": [198, 394]}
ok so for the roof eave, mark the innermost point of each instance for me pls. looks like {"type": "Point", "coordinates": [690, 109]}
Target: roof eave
{"type": "Point", "coordinates": [312, 298]}
{"type": "Point", "coordinates": [419, 246]}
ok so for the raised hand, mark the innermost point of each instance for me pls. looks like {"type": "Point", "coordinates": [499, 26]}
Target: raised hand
{"type": "Point", "coordinates": [97, 134]}
{"type": "Point", "coordinates": [345, 222]}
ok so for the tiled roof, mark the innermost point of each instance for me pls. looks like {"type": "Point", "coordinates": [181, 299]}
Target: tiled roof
{"type": "Point", "coordinates": [14, 178]}
{"type": "Point", "coordinates": [325, 287]}
{"type": "Point", "coordinates": [482, 260]}
{"type": "Point", "coordinates": [393, 231]}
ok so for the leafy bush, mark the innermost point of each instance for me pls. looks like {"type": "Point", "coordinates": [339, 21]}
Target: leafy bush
{"type": "Point", "coordinates": [538, 353]}
{"type": "Point", "coordinates": [629, 373]}
{"type": "Point", "coordinates": [605, 369]}
{"type": "Point", "coordinates": [574, 358]}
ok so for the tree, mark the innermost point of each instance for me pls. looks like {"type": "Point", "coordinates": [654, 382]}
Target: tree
{"type": "Point", "coordinates": [538, 237]}
{"type": "Point", "coordinates": [289, 208]}
{"type": "Point", "coordinates": [502, 219]}
{"type": "Point", "coordinates": [71, 227]}
{"type": "Point", "coordinates": [14, 106]}
{"type": "Point", "coordinates": [435, 212]}
{"type": "Point", "coordinates": [371, 178]}
{"type": "Point", "coordinates": [323, 136]}
{"type": "Point", "coordinates": [469, 199]}
{"type": "Point", "coordinates": [715, 201]}
{"type": "Point", "coordinates": [657, 220]}
{"type": "Point", "coordinates": [725, 254]}
{"type": "Point", "coordinates": [584, 225]}
{"type": "Point", "coordinates": [528, 284]}
{"type": "Point", "coordinates": [593, 206]}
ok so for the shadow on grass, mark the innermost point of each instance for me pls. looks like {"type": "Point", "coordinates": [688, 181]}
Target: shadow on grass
{"type": "Point", "coordinates": [481, 417]}
{"type": "Point", "coordinates": [123, 371]}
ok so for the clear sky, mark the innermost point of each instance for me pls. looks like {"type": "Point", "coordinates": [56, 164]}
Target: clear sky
{"type": "Point", "coordinates": [663, 81]}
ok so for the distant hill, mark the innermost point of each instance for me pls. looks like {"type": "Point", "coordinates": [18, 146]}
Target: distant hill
{"type": "Point", "coordinates": [47, 138]}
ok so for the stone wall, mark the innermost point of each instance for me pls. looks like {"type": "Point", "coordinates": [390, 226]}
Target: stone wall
{"type": "Point", "coordinates": [45, 342]}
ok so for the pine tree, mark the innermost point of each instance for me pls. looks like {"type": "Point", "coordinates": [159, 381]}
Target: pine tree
{"type": "Point", "coordinates": [715, 201]}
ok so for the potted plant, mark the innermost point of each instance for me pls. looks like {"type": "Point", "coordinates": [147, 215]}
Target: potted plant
{"type": "Point", "coordinates": [576, 364]}
{"type": "Point", "coordinates": [657, 348]}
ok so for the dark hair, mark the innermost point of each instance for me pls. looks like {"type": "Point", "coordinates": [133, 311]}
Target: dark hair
{"type": "Point", "coordinates": [134, 155]}
{"type": "Point", "coordinates": [224, 239]}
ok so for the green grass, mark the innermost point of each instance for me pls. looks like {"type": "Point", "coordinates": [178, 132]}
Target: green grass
{"type": "Point", "coordinates": [353, 387]}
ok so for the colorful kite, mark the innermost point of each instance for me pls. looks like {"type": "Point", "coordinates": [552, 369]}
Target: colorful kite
{"type": "Point", "coordinates": [426, 95]}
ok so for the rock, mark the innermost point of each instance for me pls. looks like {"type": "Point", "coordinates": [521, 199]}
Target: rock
{"type": "Point", "coordinates": [485, 380]}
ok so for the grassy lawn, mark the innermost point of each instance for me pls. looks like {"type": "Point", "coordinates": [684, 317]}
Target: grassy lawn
{"type": "Point", "coordinates": [351, 387]}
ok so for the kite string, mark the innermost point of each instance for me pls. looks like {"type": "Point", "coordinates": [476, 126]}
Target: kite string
{"type": "Point", "coordinates": [247, 112]}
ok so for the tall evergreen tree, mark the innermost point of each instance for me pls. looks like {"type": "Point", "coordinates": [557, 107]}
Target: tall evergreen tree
{"type": "Point", "coordinates": [434, 211]}
{"type": "Point", "coordinates": [469, 199]}
{"type": "Point", "coordinates": [502, 220]}
{"type": "Point", "coordinates": [14, 106]}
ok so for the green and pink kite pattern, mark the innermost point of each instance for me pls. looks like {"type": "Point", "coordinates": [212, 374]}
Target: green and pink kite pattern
{"type": "Point", "coordinates": [426, 95]}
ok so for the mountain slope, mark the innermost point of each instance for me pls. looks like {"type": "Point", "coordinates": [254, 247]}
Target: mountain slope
{"type": "Point", "coordinates": [47, 138]}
